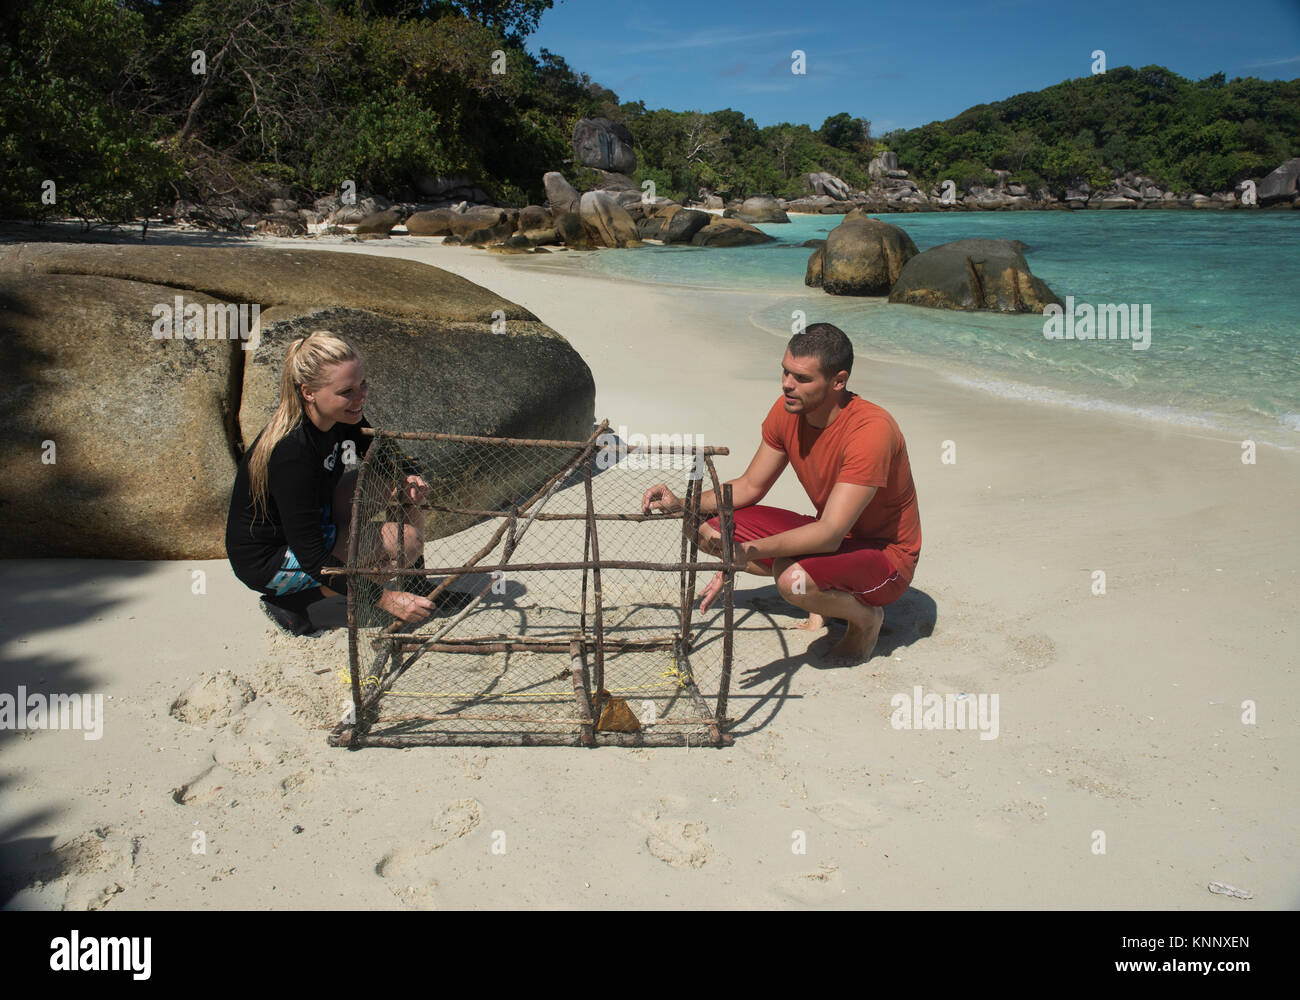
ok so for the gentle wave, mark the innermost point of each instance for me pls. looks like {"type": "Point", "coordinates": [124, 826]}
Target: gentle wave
{"type": "Point", "coordinates": [1160, 414]}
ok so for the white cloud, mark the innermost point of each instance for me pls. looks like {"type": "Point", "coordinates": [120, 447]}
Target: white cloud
{"type": "Point", "coordinates": [1273, 62]}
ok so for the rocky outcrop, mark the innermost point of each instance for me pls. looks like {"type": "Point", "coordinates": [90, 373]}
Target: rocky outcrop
{"type": "Point", "coordinates": [673, 224]}
{"type": "Point", "coordinates": [812, 275]}
{"type": "Point", "coordinates": [881, 165]}
{"type": "Point", "coordinates": [573, 234]}
{"type": "Point", "coordinates": [146, 429]}
{"type": "Point", "coordinates": [432, 222]}
{"type": "Point", "coordinates": [972, 274]}
{"type": "Point", "coordinates": [827, 185]}
{"type": "Point", "coordinates": [560, 193]}
{"type": "Point", "coordinates": [863, 256]}
{"type": "Point", "coordinates": [604, 145]}
{"type": "Point", "coordinates": [379, 223]}
{"type": "Point", "coordinates": [1281, 184]}
{"type": "Point", "coordinates": [722, 232]}
{"type": "Point", "coordinates": [760, 208]}
{"type": "Point", "coordinates": [608, 220]}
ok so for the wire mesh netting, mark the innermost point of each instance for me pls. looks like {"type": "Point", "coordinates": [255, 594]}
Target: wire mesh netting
{"type": "Point", "coordinates": [561, 613]}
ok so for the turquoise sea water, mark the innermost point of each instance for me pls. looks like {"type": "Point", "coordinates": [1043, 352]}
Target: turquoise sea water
{"type": "Point", "coordinates": [1224, 291]}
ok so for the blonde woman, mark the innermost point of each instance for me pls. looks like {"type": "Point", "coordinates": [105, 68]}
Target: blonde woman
{"type": "Point", "coordinates": [290, 510]}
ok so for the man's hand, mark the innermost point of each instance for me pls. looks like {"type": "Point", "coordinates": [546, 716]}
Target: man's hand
{"type": "Point", "coordinates": [711, 592]}
{"type": "Point", "coordinates": [410, 608]}
{"type": "Point", "coordinates": [661, 498]}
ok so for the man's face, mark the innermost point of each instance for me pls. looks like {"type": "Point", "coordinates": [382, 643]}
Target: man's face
{"type": "Point", "coordinates": [804, 385]}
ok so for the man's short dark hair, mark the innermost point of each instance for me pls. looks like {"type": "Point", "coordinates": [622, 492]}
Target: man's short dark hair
{"type": "Point", "coordinates": [828, 344]}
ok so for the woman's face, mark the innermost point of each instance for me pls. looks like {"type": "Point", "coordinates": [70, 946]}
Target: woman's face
{"type": "Point", "coordinates": [341, 397]}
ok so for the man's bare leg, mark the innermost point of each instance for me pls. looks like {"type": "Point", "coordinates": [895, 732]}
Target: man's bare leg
{"type": "Point", "coordinates": [711, 542]}
{"type": "Point", "coordinates": [863, 622]}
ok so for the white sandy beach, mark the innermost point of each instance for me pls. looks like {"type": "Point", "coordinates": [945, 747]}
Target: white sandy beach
{"type": "Point", "coordinates": [1119, 714]}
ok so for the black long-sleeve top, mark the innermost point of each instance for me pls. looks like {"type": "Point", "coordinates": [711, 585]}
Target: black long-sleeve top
{"type": "Point", "coordinates": [304, 470]}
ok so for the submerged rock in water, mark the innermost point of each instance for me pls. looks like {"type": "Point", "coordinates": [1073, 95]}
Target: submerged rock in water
{"type": "Point", "coordinates": [972, 274]}
{"type": "Point", "coordinates": [863, 256]}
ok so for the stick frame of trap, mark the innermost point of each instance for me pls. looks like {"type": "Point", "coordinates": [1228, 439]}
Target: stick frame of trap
{"type": "Point", "coordinates": [398, 646]}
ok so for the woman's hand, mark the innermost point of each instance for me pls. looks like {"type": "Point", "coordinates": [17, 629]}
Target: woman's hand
{"type": "Point", "coordinates": [414, 490]}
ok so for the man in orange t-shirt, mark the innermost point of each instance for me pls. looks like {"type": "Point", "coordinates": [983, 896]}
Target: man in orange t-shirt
{"type": "Point", "coordinates": [860, 551]}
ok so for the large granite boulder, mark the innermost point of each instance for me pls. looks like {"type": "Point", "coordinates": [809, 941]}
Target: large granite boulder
{"type": "Point", "coordinates": [572, 232]}
{"type": "Point", "coordinates": [829, 185]}
{"type": "Point", "coordinates": [433, 222]}
{"type": "Point", "coordinates": [1281, 184]}
{"type": "Point", "coordinates": [533, 217]}
{"type": "Point", "coordinates": [139, 458]}
{"type": "Point", "coordinates": [560, 193]}
{"type": "Point", "coordinates": [604, 145]}
{"type": "Point", "coordinates": [147, 429]}
{"type": "Point", "coordinates": [972, 274]}
{"type": "Point", "coordinates": [380, 223]}
{"type": "Point", "coordinates": [722, 232]}
{"type": "Point", "coordinates": [466, 226]}
{"type": "Point", "coordinates": [883, 165]}
{"type": "Point", "coordinates": [760, 208]}
{"type": "Point", "coordinates": [810, 204]}
{"type": "Point", "coordinates": [812, 276]}
{"type": "Point", "coordinates": [345, 215]}
{"type": "Point", "coordinates": [673, 224]}
{"type": "Point", "coordinates": [864, 256]}
{"type": "Point", "coordinates": [463, 224]}
{"type": "Point", "coordinates": [603, 215]}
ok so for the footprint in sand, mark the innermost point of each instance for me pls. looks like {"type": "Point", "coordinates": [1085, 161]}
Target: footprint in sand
{"type": "Point", "coordinates": [299, 781]}
{"type": "Point", "coordinates": [204, 787]}
{"type": "Point", "coordinates": [849, 815]}
{"type": "Point", "coordinates": [675, 842]}
{"type": "Point", "coordinates": [823, 885]}
{"type": "Point", "coordinates": [217, 697]}
{"type": "Point", "coordinates": [85, 872]}
{"type": "Point", "coordinates": [409, 869]}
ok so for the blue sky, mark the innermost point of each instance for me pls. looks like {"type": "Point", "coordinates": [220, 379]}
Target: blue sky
{"type": "Point", "coordinates": [900, 64]}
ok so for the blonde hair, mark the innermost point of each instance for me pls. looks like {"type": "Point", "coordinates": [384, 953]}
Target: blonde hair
{"type": "Point", "coordinates": [306, 363]}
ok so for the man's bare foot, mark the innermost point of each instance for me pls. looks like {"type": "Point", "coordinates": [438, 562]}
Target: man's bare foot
{"type": "Point", "coordinates": [859, 640]}
{"type": "Point", "coordinates": [813, 623]}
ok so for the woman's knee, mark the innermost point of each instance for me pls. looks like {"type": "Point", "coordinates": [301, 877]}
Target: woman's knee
{"type": "Point", "coordinates": [412, 540]}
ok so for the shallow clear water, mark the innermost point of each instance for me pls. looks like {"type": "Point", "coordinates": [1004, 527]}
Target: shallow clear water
{"type": "Point", "coordinates": [1223, 287]}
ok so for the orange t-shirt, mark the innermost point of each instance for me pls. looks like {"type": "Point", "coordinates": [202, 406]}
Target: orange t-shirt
{"type": "Point", "coordinates": [862, 445]}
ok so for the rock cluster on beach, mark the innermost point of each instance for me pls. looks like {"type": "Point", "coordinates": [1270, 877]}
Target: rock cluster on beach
{"type": "Point", "coordinates": [614, 212]}
{"type": "Point", "coordinates": [145, 431]}
{"type": "Point", "coordinates": [864, 256]}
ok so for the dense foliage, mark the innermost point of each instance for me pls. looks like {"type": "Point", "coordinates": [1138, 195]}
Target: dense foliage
{"type": "Point", "coordinates": [1188, 136]}
{"type": "Point", "coordinates": [128, 105]}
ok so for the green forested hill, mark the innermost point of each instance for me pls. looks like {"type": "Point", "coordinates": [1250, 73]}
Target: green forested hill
{"type": "Point", "coordinates": [114, 108]}
{"type": "Point", "coordinates": [1204, 135]}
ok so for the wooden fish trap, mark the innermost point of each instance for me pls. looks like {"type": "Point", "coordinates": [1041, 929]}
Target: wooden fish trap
{"type": "Point", "coordinates": [563, 615]}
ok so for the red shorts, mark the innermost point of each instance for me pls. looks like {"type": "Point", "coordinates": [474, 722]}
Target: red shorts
{"type": "Point", "coordinates": [859, 567]}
